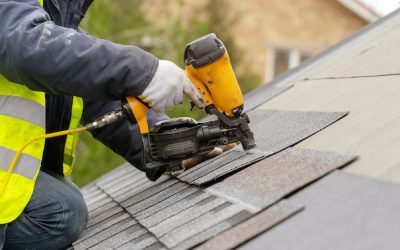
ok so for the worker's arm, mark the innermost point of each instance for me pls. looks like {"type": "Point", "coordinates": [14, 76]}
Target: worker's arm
{"type": "Point", "coordinates": [46, 57]}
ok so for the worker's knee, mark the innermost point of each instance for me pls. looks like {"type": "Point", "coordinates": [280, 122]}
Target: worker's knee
{"type": "Point", "coordinates": [75, 217]}
{"type": "Point", "coordinates": [53, 219]}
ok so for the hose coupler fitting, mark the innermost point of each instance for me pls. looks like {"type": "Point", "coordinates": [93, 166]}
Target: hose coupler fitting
{"type": "Point", "coordinates": [105, 120]}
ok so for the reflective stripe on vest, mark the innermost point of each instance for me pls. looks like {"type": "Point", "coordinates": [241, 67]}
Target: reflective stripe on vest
{"type": "Point", "coordinates": [23, 109]}
{"type": "Point", "coordinates": [27, 165]}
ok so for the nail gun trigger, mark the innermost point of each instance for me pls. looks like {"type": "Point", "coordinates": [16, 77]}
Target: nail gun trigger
{"type": "Point", "coordinates": [192, 105]}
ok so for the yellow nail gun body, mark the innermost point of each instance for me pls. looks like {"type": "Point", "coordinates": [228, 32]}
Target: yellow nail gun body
{"type": "Point", "coordinates": [169, 142]}
{"type": "Point", "coordinates": [208, 66]}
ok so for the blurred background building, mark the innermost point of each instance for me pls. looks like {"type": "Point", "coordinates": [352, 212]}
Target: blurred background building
{"type": "Point", "coordinates": [264, 38]}
{"type": "Point", "coordinates": [267, 36]}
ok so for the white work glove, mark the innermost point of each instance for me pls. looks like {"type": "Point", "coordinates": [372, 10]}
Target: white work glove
{"type": "Point", "coordinates": [167, 87]}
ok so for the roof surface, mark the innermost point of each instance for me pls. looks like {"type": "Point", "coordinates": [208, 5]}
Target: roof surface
{"type": "Point", "coordinates": [333, 118]}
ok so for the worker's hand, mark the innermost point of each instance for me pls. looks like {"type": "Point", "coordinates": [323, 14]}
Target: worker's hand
{"type": "Point", "coordinates": [167, 87]}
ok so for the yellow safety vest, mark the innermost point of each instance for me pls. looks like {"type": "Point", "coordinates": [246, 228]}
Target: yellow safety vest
{"type": "Point", "coordinates": [22, 117]}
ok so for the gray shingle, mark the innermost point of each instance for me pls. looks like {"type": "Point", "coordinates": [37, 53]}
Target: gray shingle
{"type": "Point", "coordinates": [104, 216]}
{"type": "Point", "coordinates": [199, 224]}
{"type": "Point", "coordinates": [103, 235]}
{"type": "Point", "coordinates": [210, 165]}
{"type": "Point", "coordinates": [274, 130]}
{"type": "Point", "coordinates": [145, 191]}
{"type": "Point", "coordinates": [95, 198]}
{"type": "Point", "coordinates": [116, 178]}
{"type": "Point", "coordinates": [213, 231]}
{"type": "Point", "coordinates": [122, 237]}
{"type": "Point", "coordinates": [94, 192]}
{"type": "Point", "coordinates": [247, 159]}
{"type": "Point", "coordinates": [253, 226]}
{"type": "Point", "coordinates": [88, 189]}
{"type": "Point", "coordinates": [175, 208]}
{"type": "Point", "coordinates": [115, 174]}
{"type": "Point", "coordinates": [176, 198]}
{"type": "Point", "coordinates": [104, 225]}
{"type": "Point", "coordinates": [265, 92]}
{"type": "Point", "coordinates": [140, 242]}
{"type": "Point", "coordinates": [155, 246]}
{"type": "Point", "coordinates": [134, 206]}
{"type": "Point", "coordinates": [103, 201]}
{"type": "Point", "coordinates": [269, 180]}
{"type": "Point", "coordinates": [183, 217]}
{"type": "Point", "coordinates": [122, 189]}
{"type": "Point", "coordinates": [280, 129]}
{"type": "Point", "coordinates": [102, 209]}
{"type": "Point", "coordinates": [119, 182]}
{"type": "Point", "coordinates": [343, 211]}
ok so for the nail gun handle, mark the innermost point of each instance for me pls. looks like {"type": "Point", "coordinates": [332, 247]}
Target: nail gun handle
{"type": "Point", "coordinates": [139, 110]}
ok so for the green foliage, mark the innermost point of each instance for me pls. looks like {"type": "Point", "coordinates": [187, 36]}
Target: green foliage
{"type": "Point", "coordinates": [249, 82]}
{"type": "Point", "coordinates": [124, 22]}
{"type": "Point", "coordinates": [120, 21]}
{"type": "Point", "coordinates": [184, 110]}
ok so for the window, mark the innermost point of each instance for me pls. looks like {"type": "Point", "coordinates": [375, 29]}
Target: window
{"type": "Point", "coordinates": [280, 60]}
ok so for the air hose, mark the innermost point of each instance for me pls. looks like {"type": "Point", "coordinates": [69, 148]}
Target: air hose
{"type": "Point", "coordinates": [104, 120]}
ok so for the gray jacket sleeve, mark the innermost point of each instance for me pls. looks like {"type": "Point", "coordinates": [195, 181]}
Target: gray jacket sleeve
{"type": "Point", "coordinates": [36, 52]}
{"type": "Point", "coordinates": [122, 137]}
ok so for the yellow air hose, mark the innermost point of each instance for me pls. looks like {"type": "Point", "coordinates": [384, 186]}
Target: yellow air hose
{"type": "Point", "coordinates": [101, 122]}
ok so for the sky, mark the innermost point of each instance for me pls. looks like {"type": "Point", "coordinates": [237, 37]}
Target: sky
{"type": "Point", "coordinates": [383, 7]}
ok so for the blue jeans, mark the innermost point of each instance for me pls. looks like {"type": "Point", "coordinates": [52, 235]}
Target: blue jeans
{"type": "Point", "coordinates": [53, 218]}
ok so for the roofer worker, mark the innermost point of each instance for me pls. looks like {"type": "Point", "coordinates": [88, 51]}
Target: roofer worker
{"type": "Point", "coordinates": [47, 64]}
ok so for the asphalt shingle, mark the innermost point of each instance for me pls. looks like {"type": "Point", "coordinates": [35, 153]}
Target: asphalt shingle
{"type": "Point", "coordinates": [199, 224]}
{"type": "Point", "coordinates": [134, 206]}
{"type": "Point", "coordinates": [269, 180]}
{"type": "Point", "coordinates": [213, 230]}
{"type": "Point", "coordinates": [249, 158]}
{"type": "Point", "coordinates": [105, 234]}
{"type": "Point", "coordinates": [252, 227]}
{"type": "Point", "coordinates": [103, 225]}
{"type": "Point", "coordinates": [98, 211]}
{"type": "Point", "coordinates": [200, 208]}
{"type": "Point", "coordinates": [210, 165]}
{"type": "Point", "coordinates": [123, 237]}
{"type": "Point", "coordinates": [177, 198]}
{"type": "Point", "coordinates": [343, 211]}
{"type": "Point", "coordinates": [175, 208]}
{"type": "Point", "coordinates": [113, 186]}
{"type": "Point", "coordinates": [104, 216]}
{"type": "Point", "coordinates": [141, 242]}
{"type": "Point", "coordinates": [155, 246]}
{"type": "Point", "coordinates": [99, 203]}
{"type": "Point", "coordinates": [274, 130]}
{"type": "Point", "coordinates": [144, 191]}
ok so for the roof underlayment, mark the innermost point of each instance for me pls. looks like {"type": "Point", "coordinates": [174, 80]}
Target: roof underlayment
{"type": "Point", "coordinates": [331, 120]}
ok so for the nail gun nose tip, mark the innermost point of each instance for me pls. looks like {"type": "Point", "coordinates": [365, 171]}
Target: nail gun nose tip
{"type": "Point", "coordinates": [247, 146]}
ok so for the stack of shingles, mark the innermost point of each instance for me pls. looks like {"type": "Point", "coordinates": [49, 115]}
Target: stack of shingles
{"type": "Point", "coordinates": [274, 131]}
{"type": "Point", "coordinates": [110, 226]}
{"type": "Point", "coordinates": [128, 211]}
